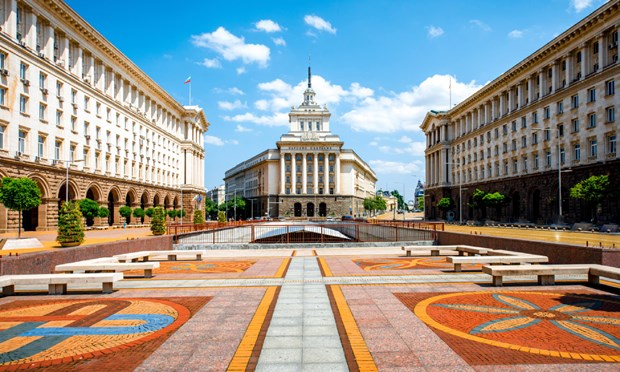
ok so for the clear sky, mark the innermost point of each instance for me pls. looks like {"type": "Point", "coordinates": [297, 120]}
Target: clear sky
{"type": "Point", "coordinates": [379, 65]}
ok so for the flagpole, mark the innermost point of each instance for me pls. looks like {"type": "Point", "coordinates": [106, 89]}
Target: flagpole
{"type": "Point", "coordinates": [190, 93]}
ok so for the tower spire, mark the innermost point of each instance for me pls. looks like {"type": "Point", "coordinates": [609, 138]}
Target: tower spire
{"type": "Point", "coordinates": [309, 78]}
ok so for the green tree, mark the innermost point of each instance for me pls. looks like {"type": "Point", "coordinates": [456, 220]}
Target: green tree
{"type": "Point", "coordinates": [478, 202]}
{"type": "Point", "coordinates": [70, 228]}
{"type": "Point", "coordinates": [211, 208]}
{"type": "Point", "coordinates": [221, 216]}
{"type": "Point", "coordinates": [149, 212]}
{"type": "Point", "coordinates": [158, 221]}
{"type": "Point", "coordinates": [19, 194]}
{"type": "Point", "coordinates": [90, 210]}
{"type": "Point", "coordinates": [445, 204]}
{"type": "Point", "coordinates": [592, 190]}
{"type": "Point", "coordinates": [103, 212]}
{"type": "Point", "coordinates": [199, 218]}
{"type": "Point", "coordinates": [421, 203]}
{"type": "Point", "coordinates": [400, 200]}
{"type": "Point", "coordinates": [125, 211]}
{"type": "Point", "coordinates": [173, 214]}
{"type": "Point", "coordinates": [496, 200]}
{"type": "Point", "coordinates": [374, 204]}
{"type": "Point", "coordinates": [139, 213]}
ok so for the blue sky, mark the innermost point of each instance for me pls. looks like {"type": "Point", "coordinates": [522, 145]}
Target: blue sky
{"type": "Point", "coordinates": [378, 65]}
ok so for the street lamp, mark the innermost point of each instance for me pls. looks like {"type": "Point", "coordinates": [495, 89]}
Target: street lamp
{"type": "Point", "coordinates": [68, 163]}
{"type": "Point", "coordinates": [559, 169]}
{"type": "Point", "coordinates": [460, 192]}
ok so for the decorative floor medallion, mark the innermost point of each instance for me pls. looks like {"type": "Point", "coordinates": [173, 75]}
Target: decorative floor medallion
{"type": "Point", "coordinates": [198, 267]}
{"type": "Point", "coordinates": [513, 327]}
{"type": "Point", "coordinates": [372, 264]}
{"type": "Point", "coordinates": [94, 334]}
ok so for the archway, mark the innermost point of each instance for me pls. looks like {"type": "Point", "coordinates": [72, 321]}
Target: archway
{"type": "Point", "coordinates": [167, 202]}
{"type": "Point", "coordinates": [91, 194]}
{"type": "Point", "coordinates": [297, 209]}
{"type": "Point", "coordinates": [33, 218]}
{"type": "Point", "coordinates": [310, 209]}
{"type": "Point", "coordinates": [144, 201]}
{"type": "Point", "coordinates": [62, 194]}
{"type": "Point", "coordinates": [516, 205]}
{"type": "Point", "coordinates": [322, 209]}
{"type": "Point", "coordinates": [536, 205]}
{"type": "Point", "coordinates": [156, 200]}
{"type": "Point", "coordinates": [112, 199]}
{"type": "Point", "coordinates": [128, 203]}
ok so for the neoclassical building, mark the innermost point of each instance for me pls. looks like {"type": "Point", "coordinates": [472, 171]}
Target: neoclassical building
{"type": "Point", "coordinates": [71, 100]}
{"type": "Point", "coordinates": [310, 174]}
{"type": "Point", "coordinates": [550, 118]}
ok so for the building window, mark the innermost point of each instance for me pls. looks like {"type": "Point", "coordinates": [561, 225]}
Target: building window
{"type": "Point", "coordinates": [591, 95]}
{"type": "Point", "coordinates": [547, 112]}
{"type": "Point", "coordinates": [301, 125]}
{"type": "Point", "coordinates": [523, 141]}
{"type": "Point", "coordinates": [577, 152]}
{"type": "Point", "coordinates": [610, 88]}
{"type": "Point", "coordinates": [575, 125]}
{"type": "Point", "coordinates": [57, 150]}
{"type": "Point", "coordinates": [593, 148]}
{"type": "Point", "coordinates": [298, 191]}
{"type": "Point", "coordinates": [21, 143]}
{"type": "Point", "coordinates": [288, 168]}
{"type": "Point", "coordinates": [73, 123]}
{"type": "Point", "coordinates": [514, 166]}
{"type": "Point", "coordinates": [525, 163]}
{"type": "Point", "coordinates": [2, 96]}
{"type": "Point", "coordinates": [505, 129]}
{"type": "Point", "coordinates": [40, 146]}
{"type": "Point", "coordinates": [320, 191]}
{"type": "Point", "coordinates": [611, 144]}
{"type": "Point", "coordinates": [506, 167]}
{"type": "Point", "coordinates": [298, 168]}
{"type": "Point", "coordinates": [562, 155]}
{"type": "Point", "coordinates": [288, 191]}
{"type": "Point", "coordinates": [574, 101]}
{"type": "Point", "coordinates": [73, 96]}
{"type": "Point", "coordinates": [514, 144]}
{"type": "Point", "coordinates": [1, 137]}
{"type": "Point", "coordinates": [610, 114]}
{"type": "Point", "coordinates": [42, 110]}
{"type": "Point", "coordinates": [559, 107]}
{"type": "Point", "coordinates": [547, 134]}
{"type": "Point", "coordinates": [2, 60]}
{"type": "Point", "coordinates": [23, 104]}
{"type": "Point", "coordinates": [72, 152]}
{"type": "Point", "coordinates": [86, 103]}
{"type": "Point", "coordinates": [514, 126]}
{"type": "Point", "coordinates": [534, 117]}
{"type": "Point", "coordinates": [591, 120]}
{"type": "Point", "coordinates": [331, 190]}
{"type": "Point", "coordinates": [523, 122]}
{"type": "Point", "coordinates": [58, 118]}
{"type": "Point", "coordinates": [58, 89]}
{"type": "Point", "coordinates": [536, 161]}
{"type": "Point", "coordinates": [98, 109]}
{"type": "Point", "coordinates": [23, 71]}
{"type": "Point", "coordinates": [548, 158]}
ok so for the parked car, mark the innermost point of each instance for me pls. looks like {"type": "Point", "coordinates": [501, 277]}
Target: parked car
{"type": "Point", "coordinates": [347, 218]}
{"type": "Point", "coordinates": [330, 219]}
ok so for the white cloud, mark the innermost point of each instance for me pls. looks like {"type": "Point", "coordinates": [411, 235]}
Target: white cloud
{"type": "Point", "coordinates": [277, 119]}
{"type": "Point", "coordinates": [232, 47]}
{"type": "Point", "coordinates": [217, 141]}
{"type": "Point", "coordinates": [211, 63]}
{"type": "Point", "coordinates": [213, 140]}
{"type": "Point", "coordinates": [360, 92]}
{"type": "Point", "coordinates": [405, 139]}
{"type": "Point", "coordinates": [515, 34]}
{"type": "Point", "coordinates": [279, 41]}
{"type": "Point", "coordinates": [319, 23]}
{"type": "Point", "coordinates": [236, 91]}
{"type": "Point", "coordinates": [580, 5]}
{"type": "Point", "coordinates": [405, 111]}
{"type": "Point", "coordinates": [241, 70]}
{"type": "Point", "coordinates": [483, 26]}
{"type": "Point", "coordinates": [267, 25]}
{"type": "Point", "coordinates": [394, 167]}
{"type": "Point", "coordinates": [241, 129]}
{"type": "Point", "coordinates": [434, 32]}
{"type": "Point", "coordinates": [227, 105]}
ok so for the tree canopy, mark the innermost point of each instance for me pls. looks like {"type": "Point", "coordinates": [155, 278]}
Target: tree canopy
{"type": "Point", "coordinates": [19, 194]}
{"type": "Point", "coordinates": [496, 199]}
{"type": "Point", "coordinates": [445, 203]}
{"type": "Point", "coordinates": [592, 189]}
{"type": "Point", "coordinates": [374, 204]}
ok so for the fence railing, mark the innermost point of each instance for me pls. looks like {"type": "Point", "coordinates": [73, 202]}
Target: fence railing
{"type": "Point", "coordinates": [237, 232]}
{"type": "Point", "coordinates": [435, 226]}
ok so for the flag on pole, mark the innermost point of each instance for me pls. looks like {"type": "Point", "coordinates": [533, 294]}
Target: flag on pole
{"type": "Point", "coordinates": [188, 80]}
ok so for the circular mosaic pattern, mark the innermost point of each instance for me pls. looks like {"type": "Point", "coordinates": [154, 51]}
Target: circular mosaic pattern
{"type": "Point", "coordinates": [372, 264]}
{"type": "Point", "coordinates": [82, 329]}
{"type": "Point", "coordinates": [571, 326]}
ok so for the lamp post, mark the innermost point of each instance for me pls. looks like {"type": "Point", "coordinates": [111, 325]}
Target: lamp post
{"type": "Point", "coordinates": [559, 169]}
{"type": "Point", "coordinates": [68, 163]}
{"type": "Point", "coordinates": [460, 193]}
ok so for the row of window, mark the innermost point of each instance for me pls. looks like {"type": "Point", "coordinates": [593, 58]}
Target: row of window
{"type": "Point", "coordinates": [298, 191]}
{"type": "Point", "coordinates": [309, 169]}
{"type": "Point", "coordinates": [310, 157]}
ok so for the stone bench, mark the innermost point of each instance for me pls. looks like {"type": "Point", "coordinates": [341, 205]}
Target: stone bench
{"type": "Point", "coordinates": [467, 250]}
{"type": "Point", "coordinates": [57, 283]}
{"type": "Point", "coordinates": [434, 249]}
{"type": "Point", "coordinates": [88, 267]}
{"type": "Point", "coordinates": [546, 273]}
{"type": "Point", "coordinates": [172, 255]}
{"type": "Point", "coordinates": [500, 260]}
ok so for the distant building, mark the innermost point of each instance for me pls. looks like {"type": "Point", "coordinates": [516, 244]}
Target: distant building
{"type": "Point", "coordinates": [217, 194]}
{"type": "Point", "coordinates": [310, 174]}
{"type": "Point", "coordinates": [555, 109]}
{"type": "Point", "coordinates": [69, 99]}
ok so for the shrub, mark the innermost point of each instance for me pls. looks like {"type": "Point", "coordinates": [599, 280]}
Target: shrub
{"type": "Point", "coordinates": [70, 228]}
{"type": "Point", "coordinates": [221, 216]}
{"type": "Point", "coordinates": [90, 210]}
{"type": "Point", "coordinates": [172, 214]}
{"type": "Point", "coordinates": [139, 212]}
{"type": "Point", "coordinates": [158, 221]}
{"type": "Point", "coordinates": [103, 212]}
{"type": "Point", "coordinates": [444, 204]}
{"type": "Point", "coordinates": [199, 218]}
{"type": "Point", "coordinates": [19, 194]}
{"type": "Point", "coordinates": [125, 211]}
{"type": "Point", "coordinates": [149, 212]}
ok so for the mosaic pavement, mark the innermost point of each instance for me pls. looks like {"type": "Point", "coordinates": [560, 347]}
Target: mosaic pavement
{"type": "Point", "coordinates": [297, 311]}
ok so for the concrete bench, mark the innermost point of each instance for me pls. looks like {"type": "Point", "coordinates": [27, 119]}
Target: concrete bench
{"type": "Point", "coordinates": [546, 273]}
{"type": "Point", "coordinates": [172, 255]}
{"type": "Point", "coordinates": [108, 267]}
{"type": "Point", "coordinates": [434, 249]}
{"type": "Point", "coordinates": [57, 283]}
{"type": "Point", "coordinates": [500, 260]}
{"type": "Point", "coordinates": [596, 271]}
{"type": "Point", "coordinates": [466, 250]}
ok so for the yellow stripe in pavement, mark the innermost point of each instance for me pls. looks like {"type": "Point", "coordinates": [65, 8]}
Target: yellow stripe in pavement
{"type": "Point", "coordinates": [282, 269]}
{"type": "Point", "coordinates": [324, 266]}
{"type": "Point", "coordinates": [242, 356]}
{"type": "Point", "coordinates": [358, 345]}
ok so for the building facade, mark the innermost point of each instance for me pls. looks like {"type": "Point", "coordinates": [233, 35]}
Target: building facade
{"type": "Point", "coordinates": [310, 174]}
{"type": "Point", "coordinates": [72, 104]}
{"type": "Point", "coordinates": [534, 132]}
{"type": "Point", "coordinates": [217, 194]}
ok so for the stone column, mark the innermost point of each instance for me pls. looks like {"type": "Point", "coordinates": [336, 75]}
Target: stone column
{"type": "Point", "coordinates": [316, 174]}
{"type": "Point", "coordinates": [282, 173]}
{"type": "Point", "coordinates": [502, 104]}
{"type": "Point", "coordinates": [31, 28]}
{"type": "Point", "coordinates": [337, 173]}
{"type": "Point", "coordinates": [493, 109]}
{"type": "Point", "coordinates": [520, 94]}
{"type": "Point", "coordinates": [584, 61]}
{"type": "Point", "coordinates": [48, 40]}
{"type": "Point", "coordinates": [304, 174]}
{"type": "Point", "coordinates": [568, 76]}
{"type": "Point", "coordinates": [602, 52]}
{"type": "Point", "coordinates": [78, 62]}
{"type": "Point", "coordinates": [530, 90]}
{"type": "Point", "coordinates": [510, 99]}
{"type": "Point", "coordinates": [64, 51]}
{"type": "Point", "coordinates": [11, 22]}
{"type": "Point", "coordinates": [326, 174]}
{"type": "Point", "coordinates": [554, 77]}
{"type": "Point", "coordinates": [542, 86]}
{"type": "Point", "coordinates": [293, 174]}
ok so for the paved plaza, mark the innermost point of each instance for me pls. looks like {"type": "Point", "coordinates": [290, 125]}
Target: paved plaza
{"type": "Point", "coordinates": [315, 310]}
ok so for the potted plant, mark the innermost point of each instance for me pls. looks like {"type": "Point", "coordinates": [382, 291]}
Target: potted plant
{"type": "Point", "coordinates": [172, 214]}
{"type": "Point", "coordinates": [199, 218]}
{"type": "Point", "coordinates": [125, 211]}
{"type": "Point", "coordinates": [158, 221]}
{"type": "Point", "coordinates": [139, 213]}
{"type": "Point", "coordinates": [221, 216]}
{"type": "Point", "coordinates": [70, 227]}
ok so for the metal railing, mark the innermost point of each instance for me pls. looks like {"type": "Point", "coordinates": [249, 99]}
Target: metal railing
{"type": "Point", "coordinates": [435, 226]}
{"type": "Point", "coordinates": [237, 232]}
